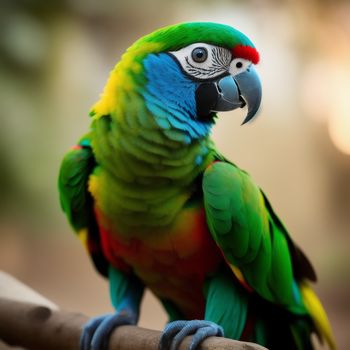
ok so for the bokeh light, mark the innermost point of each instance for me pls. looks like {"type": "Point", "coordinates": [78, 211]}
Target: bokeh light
{"type": "Point", "coordinates": [339, 118]}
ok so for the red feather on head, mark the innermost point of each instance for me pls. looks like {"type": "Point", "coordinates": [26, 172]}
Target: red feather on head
{"type": "Point", "coordinates": [246, 52]}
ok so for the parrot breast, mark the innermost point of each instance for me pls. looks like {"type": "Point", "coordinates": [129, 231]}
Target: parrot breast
{"type": "Point", "coordinates": [150, 153]}
{"type": "Point", "coordinates": [173, 263]}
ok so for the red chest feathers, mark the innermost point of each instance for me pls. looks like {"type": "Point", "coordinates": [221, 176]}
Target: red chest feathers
{"type": "Point", "coordinates": [172, 263]}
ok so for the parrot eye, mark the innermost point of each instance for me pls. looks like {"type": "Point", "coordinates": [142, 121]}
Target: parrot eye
{"type": "Point", "coordinates": [199, 54]}
{"type": "Point", "coordinates": [203, 61]}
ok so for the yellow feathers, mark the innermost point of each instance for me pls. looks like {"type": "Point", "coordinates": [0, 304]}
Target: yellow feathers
{"type": "Point", "coordinates": [93, 184]}
{"type": "Point", "coordinates": [83, 236]}
{"type": "Point", "coordinates": [239, 275]}
{"type": "Point", "coordinates": [122, 76]}
{"type": "Point", "coordinates": [315, 308]}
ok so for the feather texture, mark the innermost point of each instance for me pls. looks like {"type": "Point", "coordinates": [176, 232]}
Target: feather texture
{"type": "Point", "coordinates": [259, 249]}
{"type": "Point", "coordinates": [155, 204]}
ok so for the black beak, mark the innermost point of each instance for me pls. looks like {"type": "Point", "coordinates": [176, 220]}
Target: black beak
{"type": "Point", "coordinates": [228, 93]}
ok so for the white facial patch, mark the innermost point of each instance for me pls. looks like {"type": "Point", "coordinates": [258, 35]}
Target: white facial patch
{"type": "Point", "coordinates": [239, 65]}
{"type": "Point", "coordinates": [204, 61]}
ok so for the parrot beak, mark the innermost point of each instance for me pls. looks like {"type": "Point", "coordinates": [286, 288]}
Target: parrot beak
{"type": "Point", "coordinates": [230, 92]}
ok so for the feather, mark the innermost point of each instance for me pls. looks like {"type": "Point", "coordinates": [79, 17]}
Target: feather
{"type": "Point", "coordinates": [318, 315]}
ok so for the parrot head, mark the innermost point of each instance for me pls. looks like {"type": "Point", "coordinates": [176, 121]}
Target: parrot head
{"type": "Point", "coordinates": [186, 73]}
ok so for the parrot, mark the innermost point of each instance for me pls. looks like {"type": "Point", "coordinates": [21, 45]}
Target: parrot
{"type": "Point", "coordinates": [158, 207]}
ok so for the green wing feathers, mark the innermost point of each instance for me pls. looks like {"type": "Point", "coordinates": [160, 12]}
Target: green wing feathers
{"type": "Point", "coordinates": [256, 245]}
{"type": "Point", "coordinates": [76, 201]}
{"type": "Point", "coordinates": [72, 182]}
{"type": "Point", "coordinates": [243, 229]}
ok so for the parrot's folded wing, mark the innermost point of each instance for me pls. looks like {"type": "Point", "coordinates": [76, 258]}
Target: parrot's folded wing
{"type": "Point", "coordinates": [253, 240]}
{"type": "Point", "coordinates": [76, 201]}
{"type": "Point", "coordinates": [256, 245]}
{"type": "Point", "coordinates": [302, 267]}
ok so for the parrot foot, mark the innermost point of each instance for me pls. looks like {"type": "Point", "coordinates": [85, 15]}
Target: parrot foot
{"type": "Point", "coordinates": [175, 332]}
{"type": "Point", "coordinates": [97, 331]}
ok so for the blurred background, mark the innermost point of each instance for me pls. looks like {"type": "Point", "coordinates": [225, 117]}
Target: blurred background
{"type": "Point", "coordinates": [54, 61]}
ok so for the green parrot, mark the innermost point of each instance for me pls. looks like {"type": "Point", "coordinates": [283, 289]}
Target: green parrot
{"type": "Point", "coordinates": [157, 206]}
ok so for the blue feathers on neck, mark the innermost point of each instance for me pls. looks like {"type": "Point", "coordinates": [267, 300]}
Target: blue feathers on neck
{"type": "Point", "coordinates": [170, 96]}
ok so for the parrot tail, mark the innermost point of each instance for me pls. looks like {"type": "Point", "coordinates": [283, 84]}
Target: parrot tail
{"type": "Point", "coordinates": [318, 315]}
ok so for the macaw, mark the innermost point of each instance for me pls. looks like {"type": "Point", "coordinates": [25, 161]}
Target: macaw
{"type": "Point", "coordinates": [157, 206]}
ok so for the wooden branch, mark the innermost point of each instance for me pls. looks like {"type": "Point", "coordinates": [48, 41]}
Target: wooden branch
{"type": "Point", "coordinates": [38, 327]}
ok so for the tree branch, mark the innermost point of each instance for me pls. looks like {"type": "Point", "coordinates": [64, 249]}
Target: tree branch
{"type": "Point", "coordinates": [38, 327]}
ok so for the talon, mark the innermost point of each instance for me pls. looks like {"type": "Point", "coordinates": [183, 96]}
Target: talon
{"type": "Point", "coordinates": [175, 332]}
{"type": "Point", "coordinates": [89, 330]}
{"type": "Point", "coordinates": [97, 331]}
{"type": "Point", "coordinates": [204, 333]}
